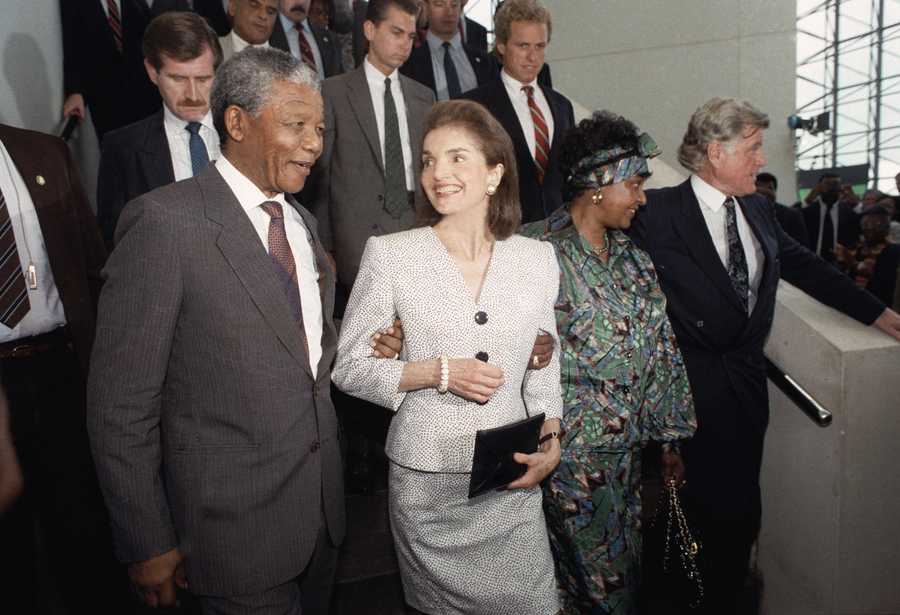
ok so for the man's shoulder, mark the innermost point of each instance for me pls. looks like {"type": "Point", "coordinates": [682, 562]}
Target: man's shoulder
{"type": "Point", "coordinates": [136, 132]}
{"type": "Point", "coordinates": [12, 135]}
{"type": "Point", "coordinates": [488, 93]}
{"type": "Point", "coordinates": [413, 87]}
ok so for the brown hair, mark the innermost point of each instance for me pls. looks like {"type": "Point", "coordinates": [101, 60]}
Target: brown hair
{"type": "Point", "coordinates": [520, 10]}
{"type": "Point", "coordinates": [181, 36]}
{"type": "Point", "coordinates": [376, 12]}
{"type": "Point", "coordinates": [504, 210]}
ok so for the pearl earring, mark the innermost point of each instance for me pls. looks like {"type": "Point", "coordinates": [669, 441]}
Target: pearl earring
{"type": "Point", "coordinates": [491, 189]}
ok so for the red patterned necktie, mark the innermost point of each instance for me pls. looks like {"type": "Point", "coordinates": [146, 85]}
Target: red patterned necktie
{"type": "Point", "coordinates": [541, 134]}
{"type": "Point", "coordinates": [285, 266]}
{"type": "Point", "coordinates": [115, 22]}
{"type": "Point", "coordinates": [14, 302]}
{"type": "Point", "coordinates": [306, 53]}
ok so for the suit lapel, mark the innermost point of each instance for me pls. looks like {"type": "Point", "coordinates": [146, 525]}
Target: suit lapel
{"type": "Point", "coordinates": [323, 41]}
{"type": "Point", "coordinates": [692, 228]}
{"type": "Point", "coordinates": [360, 99]}
{"type": "Point", "coordinates": [278, 39]}
{"type": "Point", "coordinates": [416, 110]}
{"type": "Point", "coordinates": [155, 155]}
{"type": "Point", "coordinates": [755, 219]}
{"type": "Point", "coordinates": [557, 113]}
{"type": "Point", "coordinates": [49, 202]}
{"type": "Point", "coordinates": [245, 253]}
{"type": "Point", "coordinates": [326, 289]}
{"type": "Point", "coordinates": [506, 115]}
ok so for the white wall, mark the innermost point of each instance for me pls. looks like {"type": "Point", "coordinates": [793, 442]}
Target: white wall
{"type": "Point", "coordinates": [656, 61]}
{"type": "Point", "coordinates": [31, 87]}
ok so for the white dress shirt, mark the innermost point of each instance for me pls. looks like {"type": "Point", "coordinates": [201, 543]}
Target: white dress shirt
{"type": "Point", "coordinates": [465, 72]}
{"type": "Point", "coordinates": [291, 34]}
{"type": "Point", "coordinates": [712, 206]}
{"type": "Point", "coordinates": [179, 140]}
{"type": "Point", "coordinates": [251, 198]}
{"type": "Point", "coordinates": [238, 44]}
{"type": "Point", "coordinates": [376, 78]}
{"type": "Point", "coordinates": [519, 101]}
{"type": "Point", "coordinates": [46, 313]}
{"type": "Point", "coordinates": [835, 216]}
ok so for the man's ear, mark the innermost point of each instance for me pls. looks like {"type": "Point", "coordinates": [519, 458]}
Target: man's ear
{"type": "Point", "coordinates": [152, 73]}
{"type": "Point", "coordinates": [236, 123]}
{"type": "Point", "coordinates": [714, 153]}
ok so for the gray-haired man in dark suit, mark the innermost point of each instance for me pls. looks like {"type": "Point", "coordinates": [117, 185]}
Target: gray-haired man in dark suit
{"type": "Point", "coordinates": [210, 415]}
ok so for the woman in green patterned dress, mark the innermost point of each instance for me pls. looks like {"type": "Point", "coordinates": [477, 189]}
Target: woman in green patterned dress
{"type": "Point", "coordinates": [623, 377]}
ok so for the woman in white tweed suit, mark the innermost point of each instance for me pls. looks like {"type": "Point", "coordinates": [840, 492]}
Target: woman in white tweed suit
{"type": "Point", "coordinates": [472, 297]}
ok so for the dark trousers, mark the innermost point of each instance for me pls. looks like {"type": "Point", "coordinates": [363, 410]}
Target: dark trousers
{"type": "Point", "coordinates": [61, 499]}
{"type": "Point", "coordinates": [308, 594]}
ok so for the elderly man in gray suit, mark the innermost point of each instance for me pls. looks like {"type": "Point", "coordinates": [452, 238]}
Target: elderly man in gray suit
{"type": "Point", "coordinates": [366, 180]}
{"type": "Point", "coordinates": [210, 415]}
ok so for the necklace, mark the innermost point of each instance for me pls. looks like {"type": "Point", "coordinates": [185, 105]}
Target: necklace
{"type": "Point", "coordinates": [600, 250]}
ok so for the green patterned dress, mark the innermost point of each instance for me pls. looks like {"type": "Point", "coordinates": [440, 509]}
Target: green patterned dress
{"type": "Point", "coordinates": [624, 383]}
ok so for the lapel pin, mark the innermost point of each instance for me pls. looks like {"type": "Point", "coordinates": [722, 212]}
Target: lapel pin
{"type": "Point", "coordinates": [40, 180]}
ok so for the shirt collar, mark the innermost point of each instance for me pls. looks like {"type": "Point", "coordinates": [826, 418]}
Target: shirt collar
{"type": "Point", "coordinates": [373, 75]}
{"type": "Point", "coordinates": [707, 195]}
{"type": "Point", "coordinates": [245, 191]}
{"type": "Point", "coordinates": [289, 24]}
{"type": "Point", "coordinates": [514, 84]}
{"type": "Point", "coordinates": [175, 122]}
{"type": "Point", "coordinates": [436, 44]}
{"type": "Point", "coordinates": [240, 44]}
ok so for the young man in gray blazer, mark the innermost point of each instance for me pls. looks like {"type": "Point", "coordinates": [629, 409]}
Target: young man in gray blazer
{"type": "Point", "coordinates": [366, 182]}
{"type": "Point", "coordinates": [210, 416]}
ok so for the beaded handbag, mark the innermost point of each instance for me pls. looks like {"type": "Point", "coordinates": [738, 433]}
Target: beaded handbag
{"type": "Point", "coordinates": [680, 548]}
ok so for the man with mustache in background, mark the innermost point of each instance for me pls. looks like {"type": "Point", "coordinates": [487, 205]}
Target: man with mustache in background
{"type": "Point", "coordinates": [181, 53]}
{"type": "Point", "coordinates": [316, 47]}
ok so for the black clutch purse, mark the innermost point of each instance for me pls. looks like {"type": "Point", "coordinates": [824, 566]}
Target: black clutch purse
{"type": "Point", "coordinates": [493, 465]}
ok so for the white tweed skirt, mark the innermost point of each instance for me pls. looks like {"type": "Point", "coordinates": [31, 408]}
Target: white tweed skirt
{"type": "Point", "coordinates": [489, 555]}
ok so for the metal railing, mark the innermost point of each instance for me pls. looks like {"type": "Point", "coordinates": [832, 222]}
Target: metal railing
{"type": "Point", "coordinates": [815, 411]}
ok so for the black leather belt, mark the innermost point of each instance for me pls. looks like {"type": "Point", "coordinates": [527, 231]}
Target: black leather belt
{"type": "Point", "coordinates": [27, 347]}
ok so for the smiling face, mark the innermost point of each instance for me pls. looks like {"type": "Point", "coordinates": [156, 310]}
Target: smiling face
{"type": "Point", "coordinates": [620, 202]}
{"type": "Point", "coordinates": [277, 148]}
{"type": "Point", "coordinates": [455, 174]}
{"type": "Point", "coordinates": [732, 167]}
{"type": "Point", "coordinates": [390, 40]}
{"type": "Point", "coordinates": [253, 19]}
{"type": "Point", "coordinates": [185, 86]}
{"type": "Point", "coordinates": [523, 52]}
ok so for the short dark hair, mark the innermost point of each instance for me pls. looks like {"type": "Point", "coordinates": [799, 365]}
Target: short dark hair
{"type": "Point", "coordinates": [376, 12]}
{"type": "Point", "coordinates": [603, 130]}
{"type": "Point", "coordinates": [504, 209]}
{"type": "Point", "coordinates": [767, 177]}
{"type": "Point", "coordinates": [179, 35]}
{"type": "Point", "coordinates": [829, 175]}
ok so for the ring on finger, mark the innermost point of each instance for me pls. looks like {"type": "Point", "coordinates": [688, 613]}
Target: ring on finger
{"type": "Point", "coordinates": [535, 360]}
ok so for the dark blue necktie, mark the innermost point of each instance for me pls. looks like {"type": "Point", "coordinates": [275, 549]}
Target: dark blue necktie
{"type": "Point", "coordinates": [199, 157]}
{"type": "Point", "coordinates": [453, 87]}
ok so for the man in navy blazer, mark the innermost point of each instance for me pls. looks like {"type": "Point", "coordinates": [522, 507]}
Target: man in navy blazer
{"type": "Point", "coordinates": [472, 66]}
{"type": "Point", "coordinates": [719, 253]}
{"type": "Point", "coordinates": [182, 53]}
{"type": "Point", "coordinates": [523, 30]}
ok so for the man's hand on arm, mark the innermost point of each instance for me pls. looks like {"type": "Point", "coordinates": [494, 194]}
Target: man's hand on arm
{"type": "Point", "coordinates": [156, 578]}
{"type": "Point", "coordinates": [542, 351]}
{"type": "Point", "coordinates": [387, 343]}
{"type": "Point", "coordinates": [74, 105]}
{"type": "Point", "coordinates": [889, 322]}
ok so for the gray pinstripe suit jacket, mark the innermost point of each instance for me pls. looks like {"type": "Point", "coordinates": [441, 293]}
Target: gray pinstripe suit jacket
{"type": "Point", "coordinates": [208, 430]}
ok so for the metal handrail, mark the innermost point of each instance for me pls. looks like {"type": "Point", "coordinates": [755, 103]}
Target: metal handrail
{"type": "Point", "coordinates": [815, 411]}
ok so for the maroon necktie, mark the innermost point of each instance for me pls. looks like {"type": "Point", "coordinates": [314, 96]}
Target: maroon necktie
{"type": "Point", "coordinates": [14, 302]}
{"type": "Point", "coordinates": [284, 264]}
{"type": "Point", "coordinates": [541, 134]}
{"type": "Point", "coordinates": [306, 53]}
{"type": "Point", "coordinates": [115, 22]}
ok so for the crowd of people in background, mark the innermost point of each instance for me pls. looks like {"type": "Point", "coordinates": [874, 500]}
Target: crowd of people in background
{"type": "Point", "coordinates": [310, 209]}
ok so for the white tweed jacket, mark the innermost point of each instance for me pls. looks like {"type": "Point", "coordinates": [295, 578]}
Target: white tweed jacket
{"type": "Point", "coordinates": [411, 275]}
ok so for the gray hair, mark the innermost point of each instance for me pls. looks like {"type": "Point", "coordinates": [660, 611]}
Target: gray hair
{"type": "Point", "coordinates": [245, 80]}
{"type": "Point", "coordinates": [722, 120]}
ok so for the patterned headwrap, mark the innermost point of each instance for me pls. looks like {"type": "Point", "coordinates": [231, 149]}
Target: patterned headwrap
{"type": "Point", "coordinates": [610, 166]}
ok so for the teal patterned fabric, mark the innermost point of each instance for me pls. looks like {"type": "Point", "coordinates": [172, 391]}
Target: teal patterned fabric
{"type": "Point", "coordinates": [624, 383]}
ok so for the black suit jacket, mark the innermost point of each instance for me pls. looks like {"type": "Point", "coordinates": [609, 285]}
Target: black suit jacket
{"type": "Point", "coordinates": [848, 225]}
{"type": "Point", "coordinates": [326, 40]}
{"type": "Point", "coordinates": [115, 85]}
{"type": "Point", "coordinates": [74, 248]}
{"type": "Point", "coordinates": [723, 347]}
{"type": "Point", "coordinates": [211, 10]}
{"type": "Point", "coordinates": [419, 67]}
{"type": "Point", "coordinates": [791, 220]}
{"type": "Point", "coordinates": [538, 199]}
{"type": "Point", "coordinates": [135, 160]}
{"type": "Point", "coordinates": [476, 35]}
